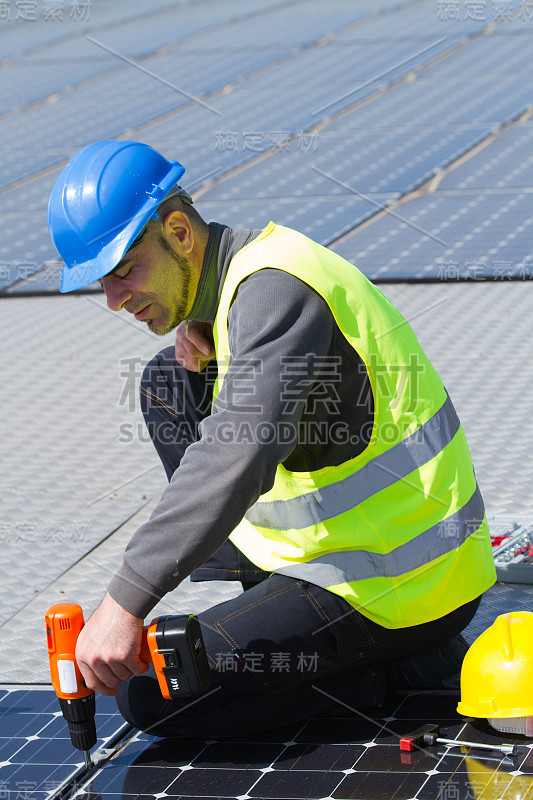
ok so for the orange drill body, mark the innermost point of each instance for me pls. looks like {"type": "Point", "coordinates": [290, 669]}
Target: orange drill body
{"type": "Point", "coordinates": [64, 622]}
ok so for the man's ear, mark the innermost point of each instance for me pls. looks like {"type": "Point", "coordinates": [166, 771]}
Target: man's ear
{"type": "Point", "coordinates": [178, 230]}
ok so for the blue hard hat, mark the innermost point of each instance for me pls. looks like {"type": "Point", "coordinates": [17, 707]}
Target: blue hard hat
{"type": "Point", "coordinates": [101, 201]}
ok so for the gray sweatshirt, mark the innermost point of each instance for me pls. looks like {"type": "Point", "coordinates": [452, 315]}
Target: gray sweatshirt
{"type": "Point", "coordinates": [296, 393]}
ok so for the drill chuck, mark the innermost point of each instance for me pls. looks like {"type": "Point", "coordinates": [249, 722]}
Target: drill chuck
{"type": "Point", "coordinates": [79, 714]}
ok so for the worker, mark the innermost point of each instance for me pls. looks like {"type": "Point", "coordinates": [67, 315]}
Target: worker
{"type": "Point", "coordinates": [312, 453]}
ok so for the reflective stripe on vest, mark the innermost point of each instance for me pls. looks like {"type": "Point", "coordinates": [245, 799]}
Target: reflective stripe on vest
{"type": "Point", "coordinates": [352, 565]}
{"type": "Point", "coordinates": [384, 470]}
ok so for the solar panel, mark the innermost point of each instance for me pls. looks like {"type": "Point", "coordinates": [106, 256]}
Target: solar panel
{"type": "Point", "coordinates": [386, 161]}
{"type": "Point", "coordinates": [36, 753]}
{"type": "Point", "coordinates": [439, 104]}
{"type": "Point", "coordinates": [27, 26]}
{"type": "Point", "coordinates": [290, 25]}
{"type": "Point", "coordinates": [275, 108]}
{"type": "Point", "coordinates": [341, 754]}
{"type": "Point", "coordinates": [23, 251]}
{"type": "Point", "coordinates": [215, 137]}
{"type": "Point", "coordinates": [319, 217]}
{"type": "Point", "coordinates": [56, 506]}
{"type": "Point", "coordinates": [478, 334]}
{"type": "Point", "coordinates": [447, 237]}
{"type": "Point", "coordinates": [421, 21]}
{"type": "Point", "coordinates": [477, 58]}
{"type": "Point", "coordinates": [519, 22]}
{"type": "Point", "coordinates": [507, 162]}
{"type": "Point", "coordinates": [280, 70]}
{"type": "Point", "coordinates": [63, 64]}
{"type": "Point", "coordinates": [114, 103]}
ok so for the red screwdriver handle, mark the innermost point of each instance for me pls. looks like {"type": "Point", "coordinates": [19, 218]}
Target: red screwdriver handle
{"type": "Point", "coordinates": [416, 739]}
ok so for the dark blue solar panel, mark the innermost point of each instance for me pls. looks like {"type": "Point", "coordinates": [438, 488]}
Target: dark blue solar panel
{"type": "Point", "coordinates": [274, 109]}
{"type": "Point", "coordinates": [105, 108]}
{"type": "Point", "coordinates": [447, 237]}
{"type": "Point", "coordinates": [323, 219]}
{"type": "Point", "coordinates": [74, 59]}
{"type": "Point", "coordinates": [507, 162]}
{"type": "Point", "coordinates": [64, 64]}
{"type": "Point", "coordinates": [486, 56]}
{"type": "Point", "coordinates": [380, 161]}
{"type": "Point", "coordinates": [441, 103]}
{"type": "Point", "coordinates": [342, 755]}
{"type": "Point", "coordinates": [36, 753]}
{"type": "Point", "coordinates": [430, 18]}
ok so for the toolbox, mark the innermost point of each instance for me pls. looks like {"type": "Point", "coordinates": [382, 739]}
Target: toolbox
{"type": "Point", "coordinates": [512, 547]}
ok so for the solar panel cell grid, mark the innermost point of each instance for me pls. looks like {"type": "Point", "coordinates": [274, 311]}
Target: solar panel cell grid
{"type": "Point", "coordinates": [507, 162]}
{"type": "Point", "coordinates": [442, 237]}
{"type": "Point", "coordinates": [338, 756]}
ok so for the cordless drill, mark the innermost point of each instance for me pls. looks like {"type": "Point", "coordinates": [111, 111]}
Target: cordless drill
{"type": "Point", "coordinates": [174, 644]}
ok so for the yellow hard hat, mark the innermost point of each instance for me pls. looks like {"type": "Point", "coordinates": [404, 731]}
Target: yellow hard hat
{"type": "Point", "coordinates": [496, 676]}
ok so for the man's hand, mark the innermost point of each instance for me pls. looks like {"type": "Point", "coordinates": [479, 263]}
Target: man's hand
{"type": "Point", "coordinates": [194, 346]}
{"type": "Point", "coordinates": [108, 647]}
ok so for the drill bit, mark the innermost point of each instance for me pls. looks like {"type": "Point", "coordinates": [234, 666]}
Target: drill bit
{"type": "Point", "coordinates": [88, 762]}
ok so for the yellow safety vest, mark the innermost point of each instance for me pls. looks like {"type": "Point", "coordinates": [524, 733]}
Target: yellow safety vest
{"type": "Point", "coordinates": [399, 531]}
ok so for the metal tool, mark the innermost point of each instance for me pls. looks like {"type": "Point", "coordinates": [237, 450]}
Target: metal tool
{"type": "Point", "coordinates": [428, 735]}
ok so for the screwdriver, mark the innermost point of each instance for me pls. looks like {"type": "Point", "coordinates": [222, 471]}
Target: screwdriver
{"type": "Point", "coordinates": [428, 735]}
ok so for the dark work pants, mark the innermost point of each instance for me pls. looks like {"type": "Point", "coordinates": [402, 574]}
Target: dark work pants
{"type": "Point", "coordinates": [284, 650]}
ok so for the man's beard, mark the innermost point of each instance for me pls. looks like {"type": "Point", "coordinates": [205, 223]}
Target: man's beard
{"type": "Point", "coordinates": [183, 303]}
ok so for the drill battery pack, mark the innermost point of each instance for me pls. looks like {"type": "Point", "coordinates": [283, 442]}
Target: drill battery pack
{"type": "Point", "coordinates": [179, 656]}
